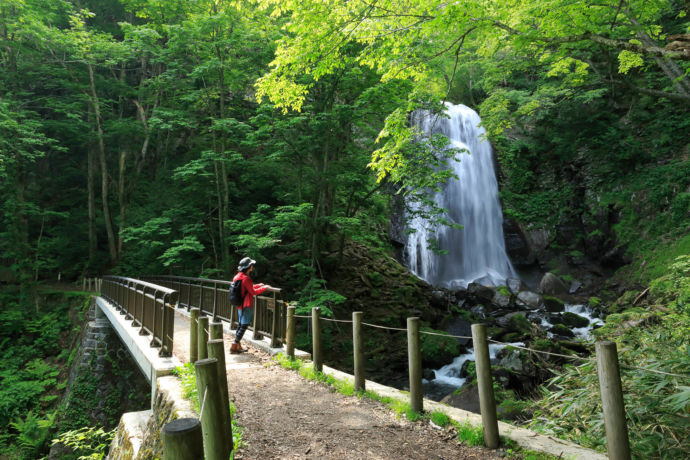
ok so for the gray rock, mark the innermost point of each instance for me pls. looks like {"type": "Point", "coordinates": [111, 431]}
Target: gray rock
{"type": "Point", "coordinates": [481, 292]}
{"type": "Point", "coordinates": [501, 300]}
{"type": "Point", "coordinates": [512, 361]}
{"type": "Point", "coordinates": [514, 285]}
{"type": "Point", "coordinates": [552, 285]}
{"type": "Point", "coordinates": [574, 286]}
{"type": "Point", "coordinates": [529, 299]}
{"type": "Point", "coordinates": [479, 310]}
{"type": "Point", "coordinates": [439, 298]}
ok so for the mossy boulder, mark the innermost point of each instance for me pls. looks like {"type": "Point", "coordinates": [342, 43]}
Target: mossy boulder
{"type": "Point", "coordinates": [553, 304]}
{"type": "Point", "coordinates": [574, 320]}
{"type": "Point", "coordinates": [438, 350]}
{"type": "Point", "coordinates": [562, 330]}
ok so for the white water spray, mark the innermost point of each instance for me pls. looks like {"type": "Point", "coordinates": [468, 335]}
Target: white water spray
{"type": "Point", "coordinates": [477, 252]}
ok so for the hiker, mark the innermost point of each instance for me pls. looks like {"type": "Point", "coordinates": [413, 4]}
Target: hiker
{"type": "Point", "coordinates": [245, 310]}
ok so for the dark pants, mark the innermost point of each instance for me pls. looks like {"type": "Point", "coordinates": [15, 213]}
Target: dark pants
{"type": "Point", "coordinates": [245, 319]}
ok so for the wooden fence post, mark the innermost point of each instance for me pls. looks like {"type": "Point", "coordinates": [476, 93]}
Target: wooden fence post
{"type": "Point", "coordinates": [415, 365]}
{"type": "Point", "coordinates": [216, 350]}
{"type": "Point", "coordinates": [358, 350]}
{"type": "Point", "coordinates": [216, 330]}
{"type": "Point", "coordinates": [617, 443]}
{"type": "Point", "coordinates": [290, 340]}
{"type": "Point", "coordinates": [316, 339]}
{"type": "Point", "coordinates": [213, 414]}
{"type": "Point", "coordinates": [202, 337]}
{"type": "Point", "coordinates": [194, 335]}
{"type": "Point", "coordinates": [487, 402]}
{"type": "Point", "coordinates": [182, 439]}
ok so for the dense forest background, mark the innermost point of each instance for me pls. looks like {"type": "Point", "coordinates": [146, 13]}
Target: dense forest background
{"type": "Point", "coordinates": [175, 137]}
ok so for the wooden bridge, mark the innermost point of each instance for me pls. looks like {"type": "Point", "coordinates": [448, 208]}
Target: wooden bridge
{"type": "Point", "coordinates": [177, 316]}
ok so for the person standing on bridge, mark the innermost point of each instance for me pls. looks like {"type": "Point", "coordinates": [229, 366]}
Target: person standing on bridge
{"type": "Point", "coordinates": [245, 310]}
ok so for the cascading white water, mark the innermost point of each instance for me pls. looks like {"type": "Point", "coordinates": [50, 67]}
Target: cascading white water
{"type": "Point", "coordinates": [477, 252]}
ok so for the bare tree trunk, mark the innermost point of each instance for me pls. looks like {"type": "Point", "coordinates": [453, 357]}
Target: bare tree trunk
{"type": "Point", "coordinates": [90, 173]}
{"type": "Point", "coordinates": [122, 199]}
{"type": "Point", "coordinates": [104, 169]}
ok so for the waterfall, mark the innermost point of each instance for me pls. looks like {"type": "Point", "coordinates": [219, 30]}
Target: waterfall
{"type": "Point", "coordinates": [477, 252]}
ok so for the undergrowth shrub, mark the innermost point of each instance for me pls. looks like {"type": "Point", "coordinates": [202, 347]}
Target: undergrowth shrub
{"type": "Point", "coordinates": [657, 405]}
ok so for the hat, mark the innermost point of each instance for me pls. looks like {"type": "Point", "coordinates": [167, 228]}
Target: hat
{"type": "Point", "coordinates": [245, 264]}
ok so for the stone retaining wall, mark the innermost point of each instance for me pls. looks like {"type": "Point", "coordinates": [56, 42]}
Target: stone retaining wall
{"type": "Point", "coordinates": [138, 435]}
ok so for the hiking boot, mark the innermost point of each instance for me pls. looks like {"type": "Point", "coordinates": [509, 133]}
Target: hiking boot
{"type": "Point", "coordinates": [236, 348]}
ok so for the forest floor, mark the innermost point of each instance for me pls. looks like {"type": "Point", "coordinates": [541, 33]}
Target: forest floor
{"type": "Point", "coordinates": [284, 416]}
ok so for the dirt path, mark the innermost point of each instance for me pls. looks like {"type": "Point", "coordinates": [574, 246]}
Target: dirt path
{"type": "Point", "coordinates": [287, 417]}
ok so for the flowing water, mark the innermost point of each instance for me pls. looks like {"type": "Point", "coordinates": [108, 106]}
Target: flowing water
{"type": "Point", "coordinates": [477, 252]}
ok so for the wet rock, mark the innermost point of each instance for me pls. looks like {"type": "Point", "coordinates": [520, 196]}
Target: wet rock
{"type": "Point", "coordinates": [553, 304]}
{"type": "Point", "coordinates": [574, 286]}
{"type": "Point", "coordinates": [561, 330]}
{"type": "Point", "coordinates": [574, 320]}
{"type": "Point", "coordinates": [529, 299]}
{"type": "Point", "coordinates": [479, 310]}
{"type": "Point", "coordinates": [467, 399]}
{"type": "Point", "coordinates": [439, 298]}
{"type": "Point", "coordinates": [428, 374]}
{"type": "Point", "coordinates": [480, 292]}
{"type": "Point", "coordinates": [552, 285]}
{"type": "Point", "coordinates": [515, 322]}
{"type": "Point", "coordinates": [501, 299]}
{"type": "Point", "coordinates": [512, 361]}
{"type": "Point", "coordinates": [616, 257]}
{"type": "Point", "coordinates": [516, 244]}
{"type": "Point", "coordinates": [514, 285]}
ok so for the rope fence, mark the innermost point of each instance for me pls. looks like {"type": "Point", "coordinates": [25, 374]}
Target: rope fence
{"type": "Point", "coordinates": [497, 342]}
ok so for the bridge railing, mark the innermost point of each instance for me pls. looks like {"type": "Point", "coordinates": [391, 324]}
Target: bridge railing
{"type": "Point", "coordinates": [148, 305]}
{"type": "Point", "coordinates": [211, 297]}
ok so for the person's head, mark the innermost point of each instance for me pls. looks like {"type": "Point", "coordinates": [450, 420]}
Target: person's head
{"type": "Point", "coordinates": [246, 265]}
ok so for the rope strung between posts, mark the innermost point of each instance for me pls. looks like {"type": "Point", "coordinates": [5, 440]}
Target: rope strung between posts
{"type": "Point", "coordinates": [385, 327]}
{"type": "Point", "coordinates": [549, 353]}
{"type": "Point", "coordinates": [203, 403]}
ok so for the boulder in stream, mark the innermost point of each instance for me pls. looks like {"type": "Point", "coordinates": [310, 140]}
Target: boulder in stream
{"type": "Point", "coordinates": [552, 285]}
{"type": "Point", "coordinates": [529, 299]}
{"type": "Point", "coordinates": [553, 304]}
{"type": "Point", "coordinates": [574, 320]}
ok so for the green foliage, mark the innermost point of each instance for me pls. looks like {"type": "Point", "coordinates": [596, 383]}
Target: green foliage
{"type": "Point", "coordinates": [435, 348]}
{"type": "Point", "coordinates": [440, 418]}
{"type": "Point", "coordinates": [470, 434]}
{"type": "Point", "coordinates": [187, 376]}
{"type": "Point", "coordinates": [656, 404]}
{"type": "Point", "coordinates": [87, 443]}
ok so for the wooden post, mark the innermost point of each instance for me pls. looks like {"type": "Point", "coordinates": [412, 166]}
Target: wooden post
{"type": "Point", "coordinates": [202, 337]}
{"type": "Point", "coordinates": [194, 335]}
{"type": "Point", "coordinates": [216, 350]}
{"type": "Point", "coordinates": [213, 414]}
{"type": "Point", "coordinates": [617, 444]}
{"type": "Point", "coordinates": [83, 284]}
{"type": "Point", "coordinates": [487, 402]}
{"type": "Point", "coordinates": [290, 341]}
{"type": "Point", "coordinates": [358, 350]}
{"type": "Point", "coordinates": [316, 339]}
{"type": "Point", "coordinates": [216, 330]}
{"type": "Point", "coordinates": [274, 323]}
{"type": "Point", "coordinates": [182, 439]}
{"type": "Point", "coordinates": [415, 365]}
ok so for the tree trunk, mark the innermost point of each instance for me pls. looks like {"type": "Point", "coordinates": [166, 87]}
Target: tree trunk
{"type": "Point", "coordinates": [93, 237]}
{"type": "Point", "coordinates": [104, 169]}
{"type": "Point", "coordinates": [122, 199]}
